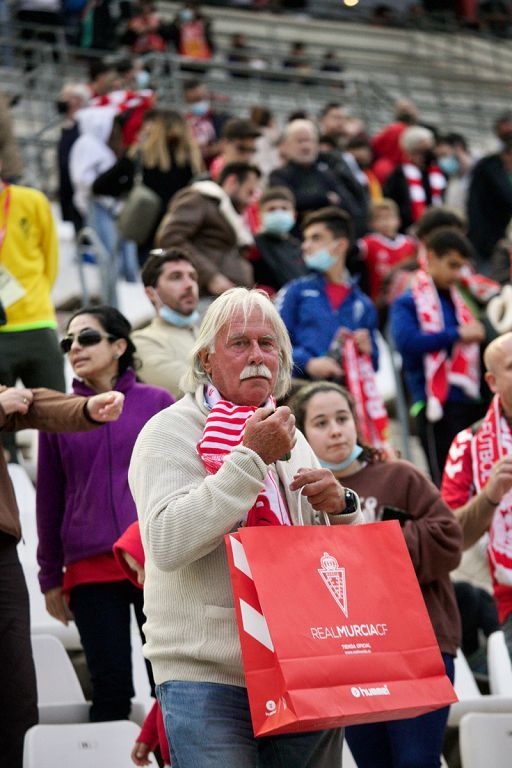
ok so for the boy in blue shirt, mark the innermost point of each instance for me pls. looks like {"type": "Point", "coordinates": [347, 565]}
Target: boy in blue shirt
{"type": "Point", "coordinates": [438, 339]}
{"type": "Point", "coordinates": [317, 307]}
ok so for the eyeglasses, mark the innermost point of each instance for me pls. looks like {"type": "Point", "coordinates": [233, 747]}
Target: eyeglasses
{"type": "Point", "coordinates": [86, 338]}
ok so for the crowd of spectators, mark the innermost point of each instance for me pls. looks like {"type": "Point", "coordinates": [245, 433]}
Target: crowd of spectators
{"type": "Point", "coordinates": [401, 235]}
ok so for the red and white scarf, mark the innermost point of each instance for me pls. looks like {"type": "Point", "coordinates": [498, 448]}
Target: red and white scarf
{"type": "Point", "coordinates": [224, 430]}
{"type": "Point", "coordinates": [372, 417]}
{"type": "Point", "coordinates": [492, 441]}
{"type": "Point", "coordinates": [463, 368]}
{"type": "Point", "coordinates": [417, 194]}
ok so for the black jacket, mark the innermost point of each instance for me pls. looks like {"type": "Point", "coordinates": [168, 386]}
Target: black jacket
{"type": "Point", "coordinates": [489, 204]}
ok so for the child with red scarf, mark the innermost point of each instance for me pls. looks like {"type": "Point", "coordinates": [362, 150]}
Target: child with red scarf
{"type": "Point", "coordinates": [438, 339]}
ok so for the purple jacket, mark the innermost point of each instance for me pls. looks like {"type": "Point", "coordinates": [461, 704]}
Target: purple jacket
{"type": "Point", "coordinates": [83, 500]}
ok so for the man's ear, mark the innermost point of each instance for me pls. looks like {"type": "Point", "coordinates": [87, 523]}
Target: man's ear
{"type": "Point", "coordinates": [342, 246]}
{"type": "Point", "coordinates": [491, 381]}
{"type": "Point", "coordinates": [204, 357]}
{"type": "Point", "coordinates": [150, 293]}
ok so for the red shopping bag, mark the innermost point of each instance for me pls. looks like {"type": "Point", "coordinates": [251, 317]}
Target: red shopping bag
{"type": "Point", "coordinates": [333, 627]}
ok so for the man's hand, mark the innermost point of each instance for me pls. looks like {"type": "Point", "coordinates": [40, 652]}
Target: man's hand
{"type": "Point", "coordinates": [321, 489]}
{"type": "Point", "coordinates": [500, 480]}
{"type": "Point", "coordinates": [218, 284]}
{"type": "Point", "coordinates": [270, 434]}
{"type": "Point", "coordinates": [16, 400]}
{"type": "Point", "coordinates": [140, 753]}
{"type": "Point", "coordinates": [57, 606]}
{"type": "Point", "coordinates": [471, 332]}
{"type": "Point", "coordinates": [324, 368]}
{"type": "Point", "coordinates": [107, 406]}
{"type": "Point", "coordinates": [363, 340]}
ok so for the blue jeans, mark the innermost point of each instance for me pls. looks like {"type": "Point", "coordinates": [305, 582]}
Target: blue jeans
{"type": "Point", "coordinates": [209, 726]}
{"type": "Point", "coordinates": [123, 253]}
{"type": "Point", "coordinates": [416, 742]}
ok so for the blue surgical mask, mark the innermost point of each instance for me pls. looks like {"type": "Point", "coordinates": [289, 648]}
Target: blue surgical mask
{"type": "Point", "coordinates": [321, 261]}
{"type": "Point", "coordinates": [142, 79]}
{"type": "Point", "coordinates": [355, 454]}
{"type": "Point", "coordinates": [449, 165]}
{"type": "Point", "coordinates": [200, 108]}
{"type": "Point", "coordinates": [278, 222]}
{"type": "Point", "coordinates": [186, 14]}
{"type": "Point", "coordinates": [175, 318]}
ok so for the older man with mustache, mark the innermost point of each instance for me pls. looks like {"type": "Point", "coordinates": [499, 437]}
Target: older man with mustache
{"type": "Point", "coordinates": [221, 457]}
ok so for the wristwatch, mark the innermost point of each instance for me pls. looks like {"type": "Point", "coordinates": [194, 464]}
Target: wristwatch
{"type": "Point", "coordinates": [351, 502]}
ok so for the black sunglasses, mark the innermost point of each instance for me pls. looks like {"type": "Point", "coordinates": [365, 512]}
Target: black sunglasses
{"type": "Point", "coordinates": [86, 338]}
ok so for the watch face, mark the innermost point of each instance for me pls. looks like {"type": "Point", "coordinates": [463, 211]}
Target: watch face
{"type": "Point", "coordinates": [350, 501]}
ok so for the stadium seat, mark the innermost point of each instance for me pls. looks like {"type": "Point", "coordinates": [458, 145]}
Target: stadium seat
{"type": "Point", "coordinates": [102, 745]}
{"type": "Point", "coordinates": [60, 698]}
{"type": "Point", "coordinates": [486, 740]}
{"type": "Point", "coordinates": [470, 698]}
{"type": "Point", "coordinates": [499, 665]}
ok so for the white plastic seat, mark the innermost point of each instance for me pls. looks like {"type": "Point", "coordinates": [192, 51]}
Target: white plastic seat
{"type": "Point", "coordinates": [499, 665]}
{"type": "Point", "coordinates": [83, 745]}
{"type": "Point", "coordinates": [60, 698]}
{"type": "Point", "coordinates": [470, 698]}
{"type": "Point", "coordinates": [486, 740]}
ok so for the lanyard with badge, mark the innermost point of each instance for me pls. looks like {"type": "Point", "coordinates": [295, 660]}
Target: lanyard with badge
{"type": "Point", "coordinates": [11, 290]}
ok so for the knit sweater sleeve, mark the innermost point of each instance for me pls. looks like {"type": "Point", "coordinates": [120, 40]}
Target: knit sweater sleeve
{"type": "Point", "coordinates": [185, 513]}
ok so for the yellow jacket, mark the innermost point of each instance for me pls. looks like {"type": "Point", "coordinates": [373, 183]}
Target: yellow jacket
{"type": "Point", "coordinates": [30, 253]}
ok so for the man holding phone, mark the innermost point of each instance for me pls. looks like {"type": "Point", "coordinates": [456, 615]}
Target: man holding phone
{"type": "Point", "coordinates": [211, 462]}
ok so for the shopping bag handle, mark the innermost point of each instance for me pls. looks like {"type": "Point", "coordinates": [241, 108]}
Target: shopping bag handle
{"type": "Point", "coordinates": [299, 511]}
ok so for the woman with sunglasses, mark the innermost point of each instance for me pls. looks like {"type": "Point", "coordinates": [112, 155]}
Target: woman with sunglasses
{"type": "Point", "coordinates": [324, 412]}
{"type": "Point", "coordinates": [84, 504]}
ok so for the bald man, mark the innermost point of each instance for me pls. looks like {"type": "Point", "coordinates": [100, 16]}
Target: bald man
{"type": "Point", "coordinates": [477, 481]}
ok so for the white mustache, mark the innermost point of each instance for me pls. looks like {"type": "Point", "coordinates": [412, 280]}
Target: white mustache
{"type": "Point", "coordinates": [250, 371]}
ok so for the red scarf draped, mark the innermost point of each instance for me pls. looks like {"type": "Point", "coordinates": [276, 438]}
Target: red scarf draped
{"type": "Point", "coordinates": [414, 179]}
{"type": "Point", "coordinates": [224, 430]}
{"type": "Point", "coordinates": [492, 441]}
{"type": "Point", "coordinates": [372, 417]}
{"type": "Point", "coordinates": [463, 368]}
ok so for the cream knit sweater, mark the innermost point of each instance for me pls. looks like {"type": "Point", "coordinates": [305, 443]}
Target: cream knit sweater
{"type": "Point", "coordinates": [191, 631]}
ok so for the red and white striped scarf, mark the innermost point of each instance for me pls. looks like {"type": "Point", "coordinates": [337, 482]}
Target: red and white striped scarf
{"type": "Point", "coordinates": [224, 430]}
{"type": "Point", "coordinates": [463, 368]}
{"type": "Point", "coordinates": [372, 417]}
{"type": "Point", "coordinates": [492, 441]}
{"type": "Point", "coordinates": [414, 179]}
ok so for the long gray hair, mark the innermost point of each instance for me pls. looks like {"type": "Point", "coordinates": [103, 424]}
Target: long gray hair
{"type": "Point", "coordinates": [219, 313]}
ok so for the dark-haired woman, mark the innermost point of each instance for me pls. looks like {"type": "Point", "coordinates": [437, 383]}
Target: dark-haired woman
{"type": "Point", "coordinates": [392, 489]}
{"type": "Point", "coordinates": [84, 504]}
